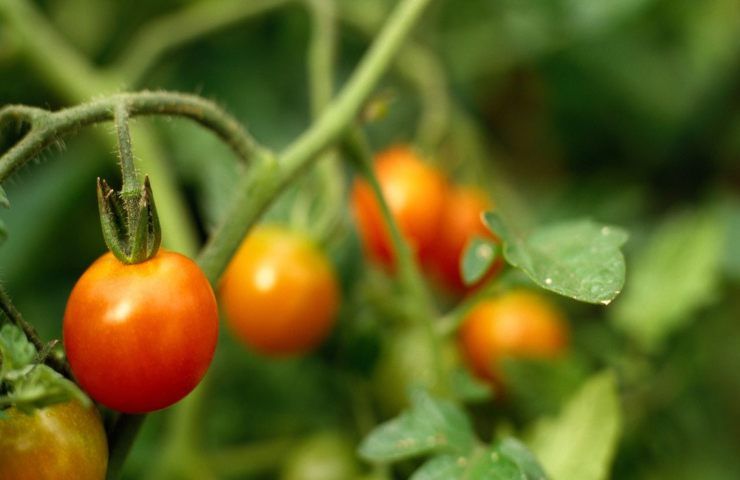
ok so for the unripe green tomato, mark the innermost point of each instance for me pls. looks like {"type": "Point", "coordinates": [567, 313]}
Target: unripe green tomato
{"type": "Point", "coordinates": [408, 359]}
{"type": "Point", "coordinates": [324, 456]}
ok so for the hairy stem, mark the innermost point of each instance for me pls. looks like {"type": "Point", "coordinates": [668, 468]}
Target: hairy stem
{"type": "Point", "coordinates": [7, 308]}
{"type": "Point", "coordinates": [420, 67]}
{"type": "Point", "coordinates": [321, 56]}
{"type": "Point", "coordinates": [48, 127]}
{"type": "Point", "coordinates": [328, 128]}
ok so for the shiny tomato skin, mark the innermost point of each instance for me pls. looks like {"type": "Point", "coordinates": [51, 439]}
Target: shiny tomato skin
{"type": "Point", "coordinates": [65, 441]}
{"type": "Point", "coordinates": [461, 221]}
{"type": "Point", "coordinates": [415, 193]}
{"type": "Point", "coordinates": [280, 292]}
{"type": "Point", "coordinates": [140, 337]}
{"type": "Point", "coordinates": [518, 324]}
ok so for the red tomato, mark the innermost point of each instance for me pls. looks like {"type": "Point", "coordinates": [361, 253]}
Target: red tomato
{"type": "Point", "coordinates": [415, 194]}
{"type": "Point", "coordinates": [140, 337]}
{"type": "Point", "coordinates": [65, 441]}
{"type": "Point", "coordinates": [517, 324]}
{"type": "Point", "coordinates": [280, 292]}
{"type": "Point", "coordinates": [461, 221]}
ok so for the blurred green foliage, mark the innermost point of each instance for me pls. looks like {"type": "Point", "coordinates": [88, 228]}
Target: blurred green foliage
{"type": "Point", "coordinates": [625, 111]}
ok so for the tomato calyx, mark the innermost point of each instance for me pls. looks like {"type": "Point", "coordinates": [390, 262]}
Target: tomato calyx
{"type": "Point", "coordinates": [130, 223]}
{"type": "Point", "coordinates": [26, 383]}
{"type": "Point", "coordinates": [129, 218]}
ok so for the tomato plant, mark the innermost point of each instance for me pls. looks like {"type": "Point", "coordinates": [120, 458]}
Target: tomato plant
{"type": "Point", "coordinates": [515, 324]}
{"type": "Point", "coordinates": [65, 441]}
{"type": "Point", "coordinates": [140, 337]}
{"type": "Point", "coordinates": [280, 292]}
{"type": "Point", "coordinates": [447, 300]}
{"type": "Point", "coordinates": [415, 192]}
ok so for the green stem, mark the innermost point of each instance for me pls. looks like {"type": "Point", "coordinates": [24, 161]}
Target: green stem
{"type": "Point", "coordinates": [321, 56]}
{"type": "Point", "coordinates": [172, 31]}
{"type": "Point", "coordinates": [48, 127]}
{"type": "Point", "coordinates": [449, 323]}
{"type": "Point", "coordinates": [121, 439]}
{"type": "Point", "coordinates": [327, 129]}
{"type": "Point", "coordinates": [7, 308]}
{"type": "Point", "coordinates": [406, 267]}
{"type": "Point", "coordinates": [131, 186]}
{"type": "Point", "coordinates": [420, 67]}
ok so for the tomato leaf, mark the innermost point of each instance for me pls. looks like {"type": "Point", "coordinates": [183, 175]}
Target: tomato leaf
{"type": "Point", "coordinates": [42, 386]}
{"type": "Point", "coordinates": [508, 460]}
{"type": "Point", "coordinates": [15, 349]}
{"type": "Point", "coordinates": [523, 457]}
{"type": "Point", "coordinates": [467, 388]}
{"type": "Point", "coordinates": [477, 258]}
{"type": "Point", "coordinates": [581, 442]}
{"type": "Point", "coordinates": [580, 259]}
{"type": "Point", "coordinates": [430, 425]}
{"type": "Point", "coordinates": [442, 467]}
{"type": "Point", "coordinates": [676, 273]}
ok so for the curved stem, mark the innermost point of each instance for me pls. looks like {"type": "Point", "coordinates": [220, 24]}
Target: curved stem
{"type": "Point", "coordinates": [321, 54]}
{"type": "Point", "coordinates": [321, 57]}
{"type": "Point", "coordinates": [255, 192]}
{"type": "Point", "coordinates": [421, 68]}
{"type": "Point", "coordinates": [49, 127]}
{"type": "Point", "coordinates": [7, 308]}
{"type": "Point", "coordinates": [165, 34]}
{"type": "Point", "coordinates": [407, 269]}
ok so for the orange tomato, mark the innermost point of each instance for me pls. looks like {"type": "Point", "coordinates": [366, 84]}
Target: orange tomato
{"type": "Point", "coordinates": [461, 221]}
{"type": "Point", "coordinates": [519, 324]}
{"type": "Point", "coordinates": [140, 337]}
{"type": "Point", "coordinates": [280, 292]}
{"type": "Point", "coordinates": [65, 441]}
{"type": "Point", "coordinates": [415, 193]}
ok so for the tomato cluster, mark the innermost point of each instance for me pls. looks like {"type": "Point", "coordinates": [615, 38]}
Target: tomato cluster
{"type": "Point", "coordinates": [435, 217]}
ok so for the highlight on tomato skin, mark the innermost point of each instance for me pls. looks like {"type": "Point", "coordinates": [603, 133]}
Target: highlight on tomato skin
{"type": "Point", "coordinates": [280, 293]}
{"type": "Point", "coordinates": [517, 324]}
{"type": "Point", "coordinates": [65, 441]}
{"type": "Point", "coordinates": [415, 192]}
{"type": "Point", "coordinates": [140, 337]}
{"type": "Point", "coordinates": [461, 221]}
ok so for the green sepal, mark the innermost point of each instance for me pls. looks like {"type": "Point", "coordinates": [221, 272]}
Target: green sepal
{"type": "Point", "coordinates": [131, 228]}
